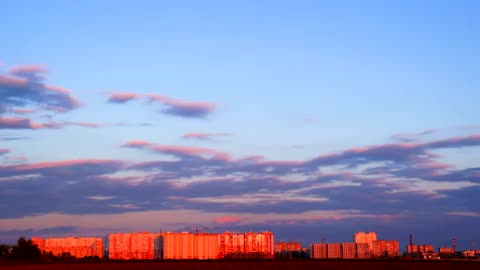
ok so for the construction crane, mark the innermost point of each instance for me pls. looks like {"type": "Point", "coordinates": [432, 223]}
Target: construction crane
{"type": "Point", "coordinates": [198, 228]}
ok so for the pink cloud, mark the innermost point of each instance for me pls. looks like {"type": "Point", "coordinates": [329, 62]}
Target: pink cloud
{"type": "Point", "coordinates": [69, 102]}
{"type": "Point", "coordinates": [203, 136]}
{"type": "Point", "coordinates": [63, 163]}
{"type": "Point", "coordinates": [27, 69]}
{"type": "Point", "coordinates": [177, 150]}
{"type": "Point", "coordinates": [3, 151]}
{"type": "Point", "coordinates": [228, 220]}
{"type": "Point", "coordinates": [192, 109]}
{"type": "Point", "coordinates": [22, 110]}
{"type": "Point", "coordinates": [122, 97]}
{"type": "Point", "coordinates": [32, 92]}
{"type": "Point", "coordinates": [24, 123]}
{"type": "Point", "coordinates": [84, 124]}
{"type": "Point", "coordinates": [13, 82]}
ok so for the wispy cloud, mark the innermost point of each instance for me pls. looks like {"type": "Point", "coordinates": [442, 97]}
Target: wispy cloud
{"type": "Point", "coordinates": [204, 136]}
{"type": "Point", "coordinates": [25, 123]}
{"type": "Point", "coordinates": [412, 137]}
{"type": "Point", "coordinates": [169, 105]}
{"type": "Point", "coordinates": [83, 124]}
{"type": "Point", "coordinates": [178, 151]}
{"type": "Point", "coordinates": [122, 97]}
{"type": "Point", "coordinates": [182, 108]}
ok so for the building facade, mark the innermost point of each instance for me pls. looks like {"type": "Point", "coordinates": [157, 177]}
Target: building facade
{"type": "Point", "coordinates": [363, 250]}
{"type": "Point", "coordinates": [349, 251]}
{"type": "Point", "coordinates": [318, 251]}
{"type": "Point", "coordinates": [334, 251]}
{"type": "Point", "coordinates": [362, 237]}
{"type": "Point", "coordinates": [76, 246]}
{"type": "Point", "coordinates": [287, 246]}
{"type": "Point", "coordinates": [385, 248]}
{"type": "Point", "coordinates": [125, 246]}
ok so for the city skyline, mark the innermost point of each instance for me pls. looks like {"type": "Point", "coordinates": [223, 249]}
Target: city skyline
{"type": "Point", "coordinates": [313, 119]}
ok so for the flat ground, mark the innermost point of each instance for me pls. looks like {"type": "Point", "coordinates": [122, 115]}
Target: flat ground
{"type": "Point", "coordinates": [248, 264]}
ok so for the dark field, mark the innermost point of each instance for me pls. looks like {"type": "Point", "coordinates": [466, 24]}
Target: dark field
{"type": "Point", "coordinates": [214, 265]}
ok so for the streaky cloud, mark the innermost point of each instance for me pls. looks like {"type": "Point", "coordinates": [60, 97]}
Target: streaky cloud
{"type": "Point", "coordinates": [186, 109]}
{"type": "Point", "coordinates": [204, 135]}
{"type": "Point", "coordinates": [122, 97]}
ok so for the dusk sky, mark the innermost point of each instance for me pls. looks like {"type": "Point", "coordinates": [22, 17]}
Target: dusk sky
{"type": "Point", "coordinates": [312, 119]}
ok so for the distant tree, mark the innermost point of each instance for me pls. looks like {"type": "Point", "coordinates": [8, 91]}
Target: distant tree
{"type": "Point", "coordinates": [4, 251]}
{"type": "Point", "coordinates": [48, 256]}
{"type": "Point", "coordinates": [25, 250]}
{"type": "Point", "coordinates": [66, 256]}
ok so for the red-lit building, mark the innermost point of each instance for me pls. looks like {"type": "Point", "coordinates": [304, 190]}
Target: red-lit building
{"type": "Point", "coordinates": [318, 251]}
{"type": "Point", "coordinates": [334, 251]}
{"type": "Point", "coordinates": [76, 246]}
{"type": "Point", "coordinates": [231, 244]}
{"type": "Point", "coordinates": [362, 237]}
{"type": "Point", "coordinates": [203, 246]}
{"type": "Point", "coordinates": [206, 246]}
{"type": "Point", "coordinates": [363, 250]}
{"type": "Point", "coordinates": [349, 250]}
{"type": "Point", "coordinates": [259, 244]}
{"type": "Point", "coordinates": [126, 246]}
{"type": "Point", "coordinates": [446, 250]}
{"type": "Point", "coordinates": [420, 249]}
{"type": "Point", "coordinates": [178, 245]}
{"type": "Point", "coordinates": [287, 246]}
{"type": "Point", "coordinates": [385, 248]}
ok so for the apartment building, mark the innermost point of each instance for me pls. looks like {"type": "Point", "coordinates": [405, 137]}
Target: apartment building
{"type": "Point", "coordinates": [76, 246]}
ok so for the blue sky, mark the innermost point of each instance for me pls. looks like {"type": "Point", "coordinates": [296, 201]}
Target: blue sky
{"type": "Point", "coordinates": [331, 116]}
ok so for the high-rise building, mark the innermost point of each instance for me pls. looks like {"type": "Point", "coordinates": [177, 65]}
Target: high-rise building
{"type": "Point", "coordinates": [232, 244]}
{"type": "Point", "coordinates": [385, 248]}
{"type": "Point", "coordinates": [178, 245]}
{"type": "Point", "coordinates": [334, 251]}
{"type": "Point", "coordinates": [363, 250]}
{"type": "Point", "coordinates": [259, 244]}
{"type": "Point", "coordinates": [206, 246]}
{"type": "Point", "coordinates": [126, 246]}
{"type": "Point", "coordinates": [318, 251]}
{"type": "Point", "coordinates": [348, 251]}
{"type": "Point", "coordinates": [287, 246]}
{"type": "Point", "coordinates": [362, 237]}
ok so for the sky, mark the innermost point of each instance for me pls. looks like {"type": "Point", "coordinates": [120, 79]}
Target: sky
{"type": "Point", "coordinates": [311, 119]}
